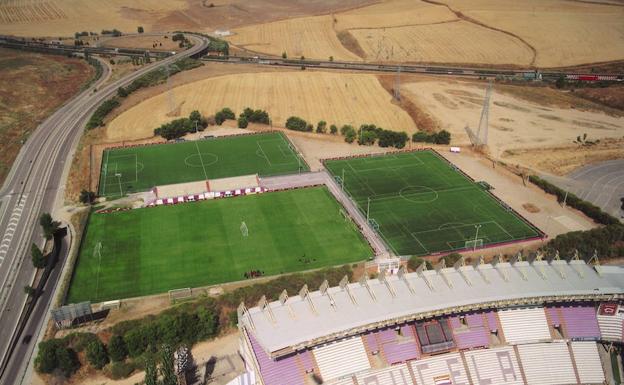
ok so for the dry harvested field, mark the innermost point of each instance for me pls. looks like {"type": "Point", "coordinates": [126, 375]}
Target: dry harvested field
{"type": "Point", "coordinates": [308, 36]}
{"type": "Point", "coordinates": [548, 33]}
{"type": "Point", "coordinates": [515, 122]}
{"type": "Point", "coordinates": [338, 98]}
{"type": "Point", "coordinates": [64, 17]}
{"type": "Point", "coordinates": [442, 43]}
{"type": "Point", "coordinates": [151, 42]}
{"type": "Point", "coordinates": [32, 86]}
{"type": "Point", "coordinates": [562, 32]}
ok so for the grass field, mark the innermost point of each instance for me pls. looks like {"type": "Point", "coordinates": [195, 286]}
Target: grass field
{"type": "Point", "coordinates": [337, 98]}
{"type": "Point", "coordinates": [148, 251]}
{"type": "Point", "coordinates": [423, 205]}
{"type": "Point", "coordinates": [134, 169]}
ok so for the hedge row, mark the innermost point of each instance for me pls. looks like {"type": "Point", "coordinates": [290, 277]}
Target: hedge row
{"type": "Point", "coordinates": [592, 211]}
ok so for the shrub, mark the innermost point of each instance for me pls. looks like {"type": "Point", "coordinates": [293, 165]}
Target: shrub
{"type": "Point", "coordinates": [333, 129]}
{"type": "Point", "coordinates": [117, 348]}
{"type": "Point", "coordinates": [442, 137]}
{"type": "Point", "coordinates": [389, 138]}
{"type": "Point", "coordinates": [296, 124]}
{"type": "Point", "coordinates": [242, 122]}
{"type": "Point", "coordinates": [38, 260]}
{"type": "Point", "coordinates": [119, 370]}
{"type": "Point", "coordinates": [96, 354]}
{"type": "Point", "coordinates": [350, 135]}
{"type": "Point", "coordinates": [87, 197]}
{"type": "Point", "coordinates": [54, 355]}
{"type": "Point", "coordinates": [140, 29]}
{"type": "Point", "coordinates": [256, 116]}
{"type": "Point", "coordinates": [175, 129]}
{"type": "Point", "coordinates": [97, 119]}
{"type": "Point", "coordinates": [321, 127]}
{"type": "Point", "coordinates": [223, 115]}
{"type": "Point", "coordinates": [606, 241]}
{"type": "Point", "coordinates": [589, 209]}
{"type": "Point", "coordinates": [345, 128]}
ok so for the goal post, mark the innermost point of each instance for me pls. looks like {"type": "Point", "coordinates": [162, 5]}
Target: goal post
{"type": "Point", "coordinates": [176, 295]}
{"type": "Point", "coordinates": [244, 229]}
{"type": "Point", "coordinates": [474, 243]}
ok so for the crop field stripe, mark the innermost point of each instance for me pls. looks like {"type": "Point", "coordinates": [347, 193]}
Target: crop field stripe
{"type": "Point", "coordinates": [413, 194]}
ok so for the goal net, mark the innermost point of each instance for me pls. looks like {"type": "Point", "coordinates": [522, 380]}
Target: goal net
{"type": "Point", "coordinates": [176, 295]}
{"type": "Point", "coordinates": [474, 243]}
{"type": "Point", "coordinates": [244, 229]}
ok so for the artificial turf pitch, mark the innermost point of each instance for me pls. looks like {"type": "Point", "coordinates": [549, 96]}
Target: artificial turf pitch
{"type": "Point", "coordinates": [423, 205]}
{"type": "Point", "coordinates": [127, 170]}
{"type": "Point", "coordinates": [152, 250]}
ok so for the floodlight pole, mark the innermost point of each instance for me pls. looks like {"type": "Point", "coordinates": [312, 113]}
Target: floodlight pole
{"type": "Point", "coordinates": [119, 180]}
{"type": "Point", "coordinates": [474, 247]}
{"type": "Point", "coordinates": [342, 180]}
{"type": "Point", "coordinates": [367, 209]}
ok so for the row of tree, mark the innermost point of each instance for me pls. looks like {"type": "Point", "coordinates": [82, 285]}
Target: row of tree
{"type": "Point", "coordinates": [132, 342]}
{"type": "Point", "coordinates": [589, 209]}
{"type": "Point", "coordinates": [179, 127]}
{"type": "Point", "coordinates": [441, 137]}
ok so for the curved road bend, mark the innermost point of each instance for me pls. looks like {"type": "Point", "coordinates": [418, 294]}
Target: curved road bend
{"type": "Point", "coordinates": [33, 186]}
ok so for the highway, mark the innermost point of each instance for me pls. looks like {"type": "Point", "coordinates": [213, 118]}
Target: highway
{"type": "Point", "coordinates": [35, 185]}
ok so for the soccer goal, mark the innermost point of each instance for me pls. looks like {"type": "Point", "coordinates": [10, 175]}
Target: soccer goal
{"type": "Point", "coordinates": [474, 243]}
{"type": "Point", "coordinates": [244, 229]}
{"type": "Point", "coordinates": [177, 295]}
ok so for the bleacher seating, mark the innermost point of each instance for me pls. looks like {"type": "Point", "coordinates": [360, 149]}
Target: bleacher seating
{"type": "Point", "coordinates": [588, 362]}
{"type": "Point", "coordinates": [471, 333]}
{"type": "Point", "coordinates": [610, 319]}
{"type": "Point", "coordinates": [443, 369]}
{"type": "Point", "coordinates": [279, 372]}
{"type": "Point", "coordinates": [341, 358]}
{"type": "Point", "coordinates": [524, 325]}
{"type": "Point", "coordinates": [395, 347]}
{"type": "Point", "coordinates": [494, 366]}
{"type": "Point", "coordinates": [547, 363]}
{"type": "Point", "coordinates": [305, 359]}
{"type": "Point", "coordinates": [576, 321]}
{"type": "Point", "coordinates": [392, 375]}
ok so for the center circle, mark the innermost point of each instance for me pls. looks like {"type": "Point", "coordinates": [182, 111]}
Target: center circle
{"type": "Point", "coordinates": [418, 194]}
{"type": "Point", "coordinates": [207, 159]}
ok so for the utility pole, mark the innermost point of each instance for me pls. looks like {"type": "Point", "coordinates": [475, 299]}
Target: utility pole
{"type": "Point", "coordinates": [368, 210]}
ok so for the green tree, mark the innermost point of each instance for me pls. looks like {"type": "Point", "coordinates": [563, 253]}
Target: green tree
{"type": "Point", "coordinates": [117, 348]}
{"type": "Point", "coordinates": [30, 291]}
{"type": "Point", "coordinates": [284, 56]}
{"type": "Point", "coordinates": [48, 225]}
{"type": "Point", "coordinates": [242, 122]}
{"type": "Point", "coordinates": [321, 127]}
{"type": "Point", "coordinates": [295, 123]}
{"type": "Point", "coordinates": [122, 92]}
{"type": "Point", "coordinates": [195, 116]}
{"type": "Point", "coordinates": [167, 370]}
{"type": "Point", "coordinates": [223, 115]}
{"type": "Point", "coordinates": [96, 354]}
{"type": "Point", "coordinates": [87, 197]}
{"type": "Point", "coordinates": [333, 129]}
{"type": "Point", "coordinates": [350, 135]}
{"type": "Point", "coordinates": [443, 137]}
{"type": "Point", "coordinates": [151, 374]}
{"type": "Point", "coordinates": [46, 361]}
{"type": "Point", "coordinates": [38, 260]}
{"type": "Point", "coordinates": [67, 360]}
{"type": "Point", "coordinates": [140, 29]}
{"type": "Point", "coordinates": [331, 58]}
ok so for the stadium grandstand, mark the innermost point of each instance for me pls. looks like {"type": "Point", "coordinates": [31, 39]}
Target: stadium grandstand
{"type": "Point", "coordinates": [520, 322]}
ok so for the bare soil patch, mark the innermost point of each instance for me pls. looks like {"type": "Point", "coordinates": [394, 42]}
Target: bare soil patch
{"type": "Point", "coordinates": [530, 207]}
{"type": "Point", "coordinates": [612, 96]}
{"type": "Point", "coordinates": [521, 118]}
{"type": "Point", "coordinates": [561, 160]}
{"type": "Point", "coordinates": [32, 86]}
{"type": "Point", "coordinates": [152, 42]}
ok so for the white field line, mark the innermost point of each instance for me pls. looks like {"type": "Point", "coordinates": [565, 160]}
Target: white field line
{"type": "Point", "coordinates": [201, 160]}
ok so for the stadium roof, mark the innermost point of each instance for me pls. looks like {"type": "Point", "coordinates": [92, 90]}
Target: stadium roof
{"type": "Point", "coordinates": [312, 318]}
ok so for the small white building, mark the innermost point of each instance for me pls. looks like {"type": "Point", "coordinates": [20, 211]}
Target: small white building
{"type": "Point", "coordinates": [222, 32]}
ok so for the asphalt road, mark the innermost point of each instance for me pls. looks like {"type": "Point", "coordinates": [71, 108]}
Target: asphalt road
{"type": "Point", "coordinates": [601, 184]}
{"type": "Point", "coordinates": [35, 185]}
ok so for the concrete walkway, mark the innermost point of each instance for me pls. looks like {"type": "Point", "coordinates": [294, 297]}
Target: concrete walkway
{"type": "Point", "coordinates": [322, 177]}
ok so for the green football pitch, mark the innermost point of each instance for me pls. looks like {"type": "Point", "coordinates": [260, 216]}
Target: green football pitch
{"type": "Point", "coordinates": [153, 250]}
{"type": "Point", "coordinates": [133, 169]}
{"type": "Point", "coordinates": [421, 204]}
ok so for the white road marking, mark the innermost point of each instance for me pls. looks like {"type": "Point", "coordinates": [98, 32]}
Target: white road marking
{"type": "Point", "coordinates": [11, 228]}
